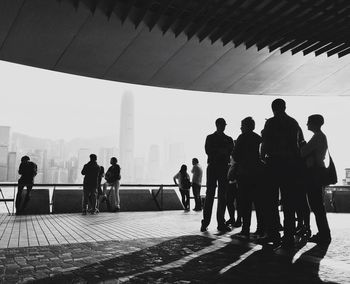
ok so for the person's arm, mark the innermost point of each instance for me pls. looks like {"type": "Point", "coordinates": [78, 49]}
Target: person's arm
{"type": "Point", "coordinates": [20, 169]}
{"type": "Point", "coordinates": [83, 171]}
{"type": "Point", "coordinates": [309, 147]}
{"type": "Point", "coordinates": [175, 178]}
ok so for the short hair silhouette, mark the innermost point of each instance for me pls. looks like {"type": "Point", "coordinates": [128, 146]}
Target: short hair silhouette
{"type": "Point", "coordinates": [114, 160]}
{"type": "Point", "coordinates": [249, 123]}
{"type": "Point", "coordinates": [220, 121]}
{"type": "Point", "coordinates": [278, 106]}
{"type": "Point", "coordinates": [93, 157]}
{"type": "Point", "coordinates": [195, 160]}
{"type": "Point", "coordinates": [316, 119]}
{"type": "Point", "coordinates": [25, 158]}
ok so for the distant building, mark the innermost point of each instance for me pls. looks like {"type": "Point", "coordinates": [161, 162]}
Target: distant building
{"type": "Point", "coordinates": [11, 167]}
{"type": "Point", "coordinates": [127, 125]}
{"type": "Point", "coordinates": [83, 158]}
{"type": "Point", "coordinates": [4, 149]}
{"type": "Point", "coordinates": [153, 164]}
{"type": "Point", "coordinates": [346, 181]}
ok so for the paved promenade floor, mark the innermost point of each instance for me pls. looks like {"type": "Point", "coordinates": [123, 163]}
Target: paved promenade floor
{"type": "Point", "coordinates": [158, 247]}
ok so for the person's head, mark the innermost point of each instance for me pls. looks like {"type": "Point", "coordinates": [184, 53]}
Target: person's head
{"type": "Point", "coordinates": [314, 122]}
{"type": "Point", "coordinates": [25, 159]}
{"type": "Point", "coordinates": [247, 124]}
{"type": "Point", "coordinates": [114, 161]}
{"type": "Point", "coordinates": [93, 158]}
{"type": "Point", "coordinates": [195, 161]}
{"type": "Point", "coordinates": [278, 106]}
{"type": "Point", "coordinates": [183, 169]}
{"type": "Point", "coordinates": [220, 124]}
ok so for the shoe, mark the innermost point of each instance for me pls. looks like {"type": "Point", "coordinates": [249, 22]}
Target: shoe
{"type": "Point", "coordinates": [269, 240]}
{"type": "Point", "coordinates": [244, 234]}
{"type": "Point", "coordinates": [93, 212]}
{"type": "Point", "coordinates": [84, 212]}
{"type": "Point", "coordinates": [320, 240]}
{"type": "Point", "coordinates": [237, 224]}
{"type": "Point", "coordinates": [258, 233]}
{"type": "Point", "coordinates": [230, 222]}
{"type": "Point", "coordinates": [224, 228]}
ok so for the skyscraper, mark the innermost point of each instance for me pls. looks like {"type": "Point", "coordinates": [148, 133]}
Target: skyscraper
{"type": "Point", "coordinates": [126, 137]}
{"type": "Point", "coordinates": [4, 149]}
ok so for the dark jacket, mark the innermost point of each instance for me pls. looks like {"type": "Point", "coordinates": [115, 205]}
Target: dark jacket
{"type": "Point", "coordinates": [281, 137]}
{"type": "Point", "coordinates": [113, 174]}
{"type": "Point", "coordinates": [218, 147]}
{"type": "Point", "coordinates": [246, 154]}
{"type": "Point", "coordinates": [28, 171]}
{"type": "Point", "coordinates": [91, 172]}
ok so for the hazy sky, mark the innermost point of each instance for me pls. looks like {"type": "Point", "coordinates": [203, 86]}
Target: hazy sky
{"type": "Point", "coordinates": [55, 105]}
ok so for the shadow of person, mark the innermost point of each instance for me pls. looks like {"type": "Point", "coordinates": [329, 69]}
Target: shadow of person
{"type": "Point", "coordinates": [308, 264]}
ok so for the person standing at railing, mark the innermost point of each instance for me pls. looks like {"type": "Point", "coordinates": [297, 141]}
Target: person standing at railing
{"type": "Point", "coordinates": [90, 172]}
{"type": "Point", "coordinates": [218, 147]}
{"type": "Point", "coordinates": [197, 174]}
{"type": "Point", "coordinates": [28, 171]}
{"type": "Point", "coordinates": [112, 178]}
{"type": "Point", "coordinates": [182, 179]}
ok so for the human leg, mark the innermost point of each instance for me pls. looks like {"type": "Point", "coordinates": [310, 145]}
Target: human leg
{"type": "Point", "coordinates": [209, 196]}
{"type": "Point", "coordinates": [183, 198]}
{"type": "Point", "coordinates": [27, 197]}
{"type": "Point", "coordinates": [196, 188]}
{"type": "Point", "coordinates": [19, 197]}
{"type": "Point", "coordinates": [222, 192]}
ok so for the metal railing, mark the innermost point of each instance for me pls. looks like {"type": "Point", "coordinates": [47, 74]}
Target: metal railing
{"type": "Point", "coordinates": [56, 186]}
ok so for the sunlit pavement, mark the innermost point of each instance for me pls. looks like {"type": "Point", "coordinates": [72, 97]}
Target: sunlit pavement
{"type": "Point", "coordinates": [158, 247]}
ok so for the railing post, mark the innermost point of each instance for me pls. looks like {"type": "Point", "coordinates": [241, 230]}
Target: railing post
{"type": "Point", "coordinates": [14, 200]}
{"type": "Point", "coordinates": [161, 197]}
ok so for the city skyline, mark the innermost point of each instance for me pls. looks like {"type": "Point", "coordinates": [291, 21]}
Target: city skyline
{"type": "Point", "coordinates": [79, 110]}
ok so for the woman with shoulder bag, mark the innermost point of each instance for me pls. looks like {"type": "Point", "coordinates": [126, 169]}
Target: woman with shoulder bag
{"type": "Point", "coordinates": [314, 153]}
{"type": "Point", "coordinates": [182, 179]}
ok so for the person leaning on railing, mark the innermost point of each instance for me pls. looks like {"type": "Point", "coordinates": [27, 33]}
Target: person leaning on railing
{"type": "Point", "coordinates": [28, 171]}
{"type": "Point", "coordinates": [112, 178]}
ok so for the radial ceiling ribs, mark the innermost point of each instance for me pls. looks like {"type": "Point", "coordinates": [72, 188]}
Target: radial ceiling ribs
{"type": "Point", "coordinates": [319, 26]}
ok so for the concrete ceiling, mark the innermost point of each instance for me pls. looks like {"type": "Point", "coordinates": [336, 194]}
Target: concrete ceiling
{"type": "Point", "coordinates": [95, 39]}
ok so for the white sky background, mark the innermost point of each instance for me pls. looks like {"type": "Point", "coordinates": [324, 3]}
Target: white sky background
{"type": "Point", "coordinates": [54, 105]}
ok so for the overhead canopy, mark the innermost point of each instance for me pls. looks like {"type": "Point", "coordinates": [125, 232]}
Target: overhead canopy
{"type": "Point", "coordinates": [270, 47]}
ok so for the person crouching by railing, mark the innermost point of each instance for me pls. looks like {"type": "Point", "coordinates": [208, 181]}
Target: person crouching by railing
{"type": "Point", "coordinates": [90, 172]}
{"type": "Point", "coordinates": [28, 171]}
{"type": "Point", "coordinates": [112, 178]}
{"type": "Point", "coordinates": [182, 180]}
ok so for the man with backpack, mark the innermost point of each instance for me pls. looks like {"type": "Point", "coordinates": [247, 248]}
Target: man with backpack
{"type": "Point", "coordinates": [112, 178]}
{"type": "Point", "coordinates": [28, 171]}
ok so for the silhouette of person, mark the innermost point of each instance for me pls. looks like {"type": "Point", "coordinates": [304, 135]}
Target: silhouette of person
{"type": "Point", "coordinates": [28, 171]}
{"type": "Point", "coordinates": [112, 178]}
{"type": "Point", "coordinates": [314, 152]}
{"type": "Point", "coordinates": [247, 156]}
{"type": "Point", "coordinates": [99, 189]}
{"type": "Point", "coordinates": [280, 149]}
{"type": "Point", "coordinates": [218, 147]}
{"type": "Point", "coordinates": [90, 172]}
{"type": "Point", "coordinates": [232, 196]}
{"type": "Point", "coordinates": [197, 174]}
{"type": "Point", "coordinates": [182, 180]}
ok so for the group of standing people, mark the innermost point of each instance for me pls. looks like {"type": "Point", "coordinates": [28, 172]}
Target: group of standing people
{"type": "Point", "coordinates": [258, 169]}
{"type": "Point", "coordinates": [182, 179]}
{"type": "Point", "coordinates": [93, 194]}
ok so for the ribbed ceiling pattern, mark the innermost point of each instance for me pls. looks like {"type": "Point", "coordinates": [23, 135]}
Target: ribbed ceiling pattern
{"type": "Point", "coordinates": [319, 26]}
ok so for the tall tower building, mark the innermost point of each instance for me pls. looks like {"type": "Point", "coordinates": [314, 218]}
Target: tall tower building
{"type": "Point", "coordinates": [126, 137]}
{"type": "Point", "coordinates": [4, 149]}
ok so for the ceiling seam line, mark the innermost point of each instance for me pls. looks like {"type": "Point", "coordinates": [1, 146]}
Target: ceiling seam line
{"type": "Point", "coordinates": [167, 61]}
{"type": "Point", "coordinates": [71, 42]}
{"type": "Point", "coordinates": [209, 67]}
{"type": "Point", "coordinates": [329, 76]}
{"type": "Point", "coordinates": [119, 56]}
{"type": "Point", "coordinates": [12, 25]}
{"type": "Point", "coordinates": [253, 68]}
